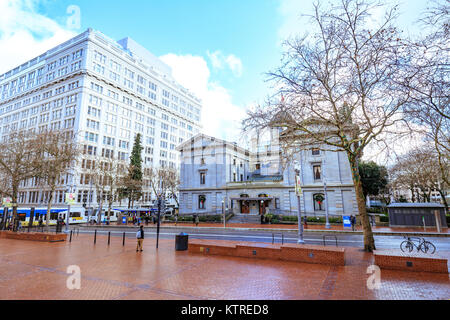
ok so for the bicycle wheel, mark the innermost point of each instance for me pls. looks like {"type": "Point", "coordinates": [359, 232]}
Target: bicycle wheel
{"type": "Point", "coordinates": [428, 247]}
{"type": "Point", "coordinates": [406, 246]}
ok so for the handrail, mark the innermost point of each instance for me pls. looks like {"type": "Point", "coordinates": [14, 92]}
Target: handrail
{"type": "Point", "coordinates": [327, 235]}
{"type": "Point", "coordinates": [273, 238]}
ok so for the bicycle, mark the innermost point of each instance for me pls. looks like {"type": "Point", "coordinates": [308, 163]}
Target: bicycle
{"type": "Point", "coordinates": [424, 245]}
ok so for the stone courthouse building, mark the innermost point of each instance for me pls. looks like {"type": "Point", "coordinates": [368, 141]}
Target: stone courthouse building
{"type": "Point", "coordinates": [217, 175]}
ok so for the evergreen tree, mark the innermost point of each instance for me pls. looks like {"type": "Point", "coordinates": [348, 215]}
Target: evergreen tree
{"type": "Point", "coordinates": [133, 182]}
{"type": "Point", "coordinates": [136, 159]}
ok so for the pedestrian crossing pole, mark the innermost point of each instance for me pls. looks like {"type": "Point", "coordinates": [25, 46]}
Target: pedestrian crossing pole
{"type": "Point", "coordinates": [298, 191]}
{"type": "Point", "coordinates": [159, 215]}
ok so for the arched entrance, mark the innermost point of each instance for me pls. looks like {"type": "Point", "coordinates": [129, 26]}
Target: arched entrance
{"type": "Point", "coordinates": [263, 204]}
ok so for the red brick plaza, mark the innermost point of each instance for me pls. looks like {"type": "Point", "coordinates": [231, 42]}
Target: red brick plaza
{"type": "Point", "coordinates": [38, 271]}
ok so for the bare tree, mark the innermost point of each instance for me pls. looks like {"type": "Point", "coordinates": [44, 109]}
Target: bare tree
{"type": "Point", "coordinates": [59, 152]}
{"type": "Point", "coordinates": [108, 174]}
{"type": "Point", "coordinates": [419, 171]}
{"type": "Point", "coordinates": [429, 82]}
{"type": "Point", "coordinates": [340, 88]}
{"type": "Point", "coordinates": [18, 162]}
{"type": "Point", "coordinates": [163, 181]}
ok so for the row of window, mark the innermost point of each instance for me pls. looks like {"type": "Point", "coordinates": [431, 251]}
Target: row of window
{"type": "Point", "coordinates": [142, 86]}
{"type": "Point", "coordinates": [36, 77]}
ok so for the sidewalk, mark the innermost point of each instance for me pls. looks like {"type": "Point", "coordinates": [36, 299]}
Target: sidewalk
{"type": "Point", "coordinates": [38, 271]}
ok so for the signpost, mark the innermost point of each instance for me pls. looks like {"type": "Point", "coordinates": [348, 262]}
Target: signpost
{"type": "Point", "coordinates": [7, 202]}
{"type": "Point", "coordinates": [161, 206]}
{"type": "Point", "coordinates": [70, 200]}
{"type": "Point", "coordinates": [298, 191]}
{"type": "Point", "coordinates": [347, 222]}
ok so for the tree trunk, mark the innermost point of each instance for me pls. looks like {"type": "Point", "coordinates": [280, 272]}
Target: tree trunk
{"type": "Point", "coordinates": [444, 200]}
{"type": "Point", "coordinates": [369, 241]}
{"type": "Point", "coordinates": [49, 208]}
{"type": "Point", "coordinates": [99, 213]}
{"type": "Point", "coordinates": [413, 197]}
{"type": "Point", "coordinates": [14, 203]}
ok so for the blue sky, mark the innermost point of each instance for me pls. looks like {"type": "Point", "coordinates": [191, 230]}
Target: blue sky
{"type": "Point", "coordinates": [220, 48]}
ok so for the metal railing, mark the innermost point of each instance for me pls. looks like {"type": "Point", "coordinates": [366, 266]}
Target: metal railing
{"type": "Point", "coordinates": [325, 236]}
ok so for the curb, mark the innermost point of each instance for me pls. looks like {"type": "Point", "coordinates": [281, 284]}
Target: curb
{"type": "Point", "coordinates": [376, 233]}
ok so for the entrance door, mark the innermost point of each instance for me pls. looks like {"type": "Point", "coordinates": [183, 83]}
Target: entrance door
{"type": "Point", "coordinates": [245, 208]}
{"type": "Point", "coordinates": [262, 208]}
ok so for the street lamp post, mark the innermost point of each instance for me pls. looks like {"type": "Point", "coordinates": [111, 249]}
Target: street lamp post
{"type": "Point", "coordinates": [327, 223]}
{"type": "Point", "coordinates": [68, 209]}
{"type": "Point", "coordinates": [223, 212]}
{"type": "Point", "coordinates": [298, 191]}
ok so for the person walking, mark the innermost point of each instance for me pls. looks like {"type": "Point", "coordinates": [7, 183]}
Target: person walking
{"type": "Point", "coordinates": [196, 220]}
{"type": "Point", "coordinates": [140, 239]}
{"type": "Point", "coordinates": [305, 222]}
{"type": "Point", "coordinates": [353, 221]}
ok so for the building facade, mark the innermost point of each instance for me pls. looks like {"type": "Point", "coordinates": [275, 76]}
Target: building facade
{"type": "Point", "coordinates": [217, 175]}
{"type": "Point", "coordinates": [105, 92]}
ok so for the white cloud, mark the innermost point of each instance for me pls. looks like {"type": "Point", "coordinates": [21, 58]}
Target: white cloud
{"type": "Point", "coordinates": [25, 34]}
{"type": "Point", "coordinates": [220, 117]}
{"type": "Point", "coordinates": [220, 61]}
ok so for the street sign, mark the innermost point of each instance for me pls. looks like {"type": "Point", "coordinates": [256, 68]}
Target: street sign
{"type": "Point", "coordinates": [347, 222]}
{"type": "Point", "coordinates": [298, 188]}
{"type": "Point", "coordinates": [7, 202]}
{"type": "Point", "coordinates": [70, 198]}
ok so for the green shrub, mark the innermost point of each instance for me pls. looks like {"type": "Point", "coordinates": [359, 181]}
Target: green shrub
{"type": "Point", "coordinates": [275, 221]}
{"type": "Point", "coordinates": [316, 219]}
{"type": "Point", "coordinates": [335, 220]}
{"type": "Point", "coordinates": [290, 218]}
{"type": "Point", "coordinates": [384, 218]}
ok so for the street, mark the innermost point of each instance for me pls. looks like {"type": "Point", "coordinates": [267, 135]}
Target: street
{"type": "Point", "coordinates": [316, 238]}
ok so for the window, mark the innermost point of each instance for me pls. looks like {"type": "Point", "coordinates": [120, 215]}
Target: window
{"type": "Point", "coordinates": [317, 171]}
{"type": "Point", "coordinates": [201, 202]}
{"type": "Point", "coordinates": [316, 152]}
{"type": "Point", "coordinates": [202, 177]}
{"type": "Point", "coordinates": [318, 199]}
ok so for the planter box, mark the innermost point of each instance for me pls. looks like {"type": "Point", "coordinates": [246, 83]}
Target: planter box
{"type": "Point", "coordinates": [33, 236]}
{"type": "Point", "coordinates": [418, 262]}
{"type": "Point", "coordinates": [288, 252]}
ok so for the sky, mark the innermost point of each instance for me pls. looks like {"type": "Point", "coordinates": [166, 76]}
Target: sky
{"type": "Point", "coordinates": [221, 50]}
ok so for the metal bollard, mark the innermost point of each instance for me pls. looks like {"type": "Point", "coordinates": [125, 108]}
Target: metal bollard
{"type": "Point", "coordinates": [70, 236]}
{"type": "Point", "coordinates": [123, 241]}
{"type": "Point", "coordinates": [109, 237]}
{"type": "Point", "coordinates": [95, 237]}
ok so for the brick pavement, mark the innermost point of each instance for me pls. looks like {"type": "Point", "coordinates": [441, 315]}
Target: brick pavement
{"type": "Point", "coordinates": [32, 271]}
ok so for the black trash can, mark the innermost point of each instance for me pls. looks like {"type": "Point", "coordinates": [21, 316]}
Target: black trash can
{"type": "Point", "coordinates": [181, 242]}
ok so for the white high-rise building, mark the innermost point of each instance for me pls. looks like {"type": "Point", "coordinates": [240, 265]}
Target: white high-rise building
{"type": "Point", "coordinates": [106, 92]}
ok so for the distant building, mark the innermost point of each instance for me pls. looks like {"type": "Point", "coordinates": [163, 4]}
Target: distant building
{"type": "Point", "coordinates": [105, 92]}
{"type": "Point", "coordinates": [217, 174]}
